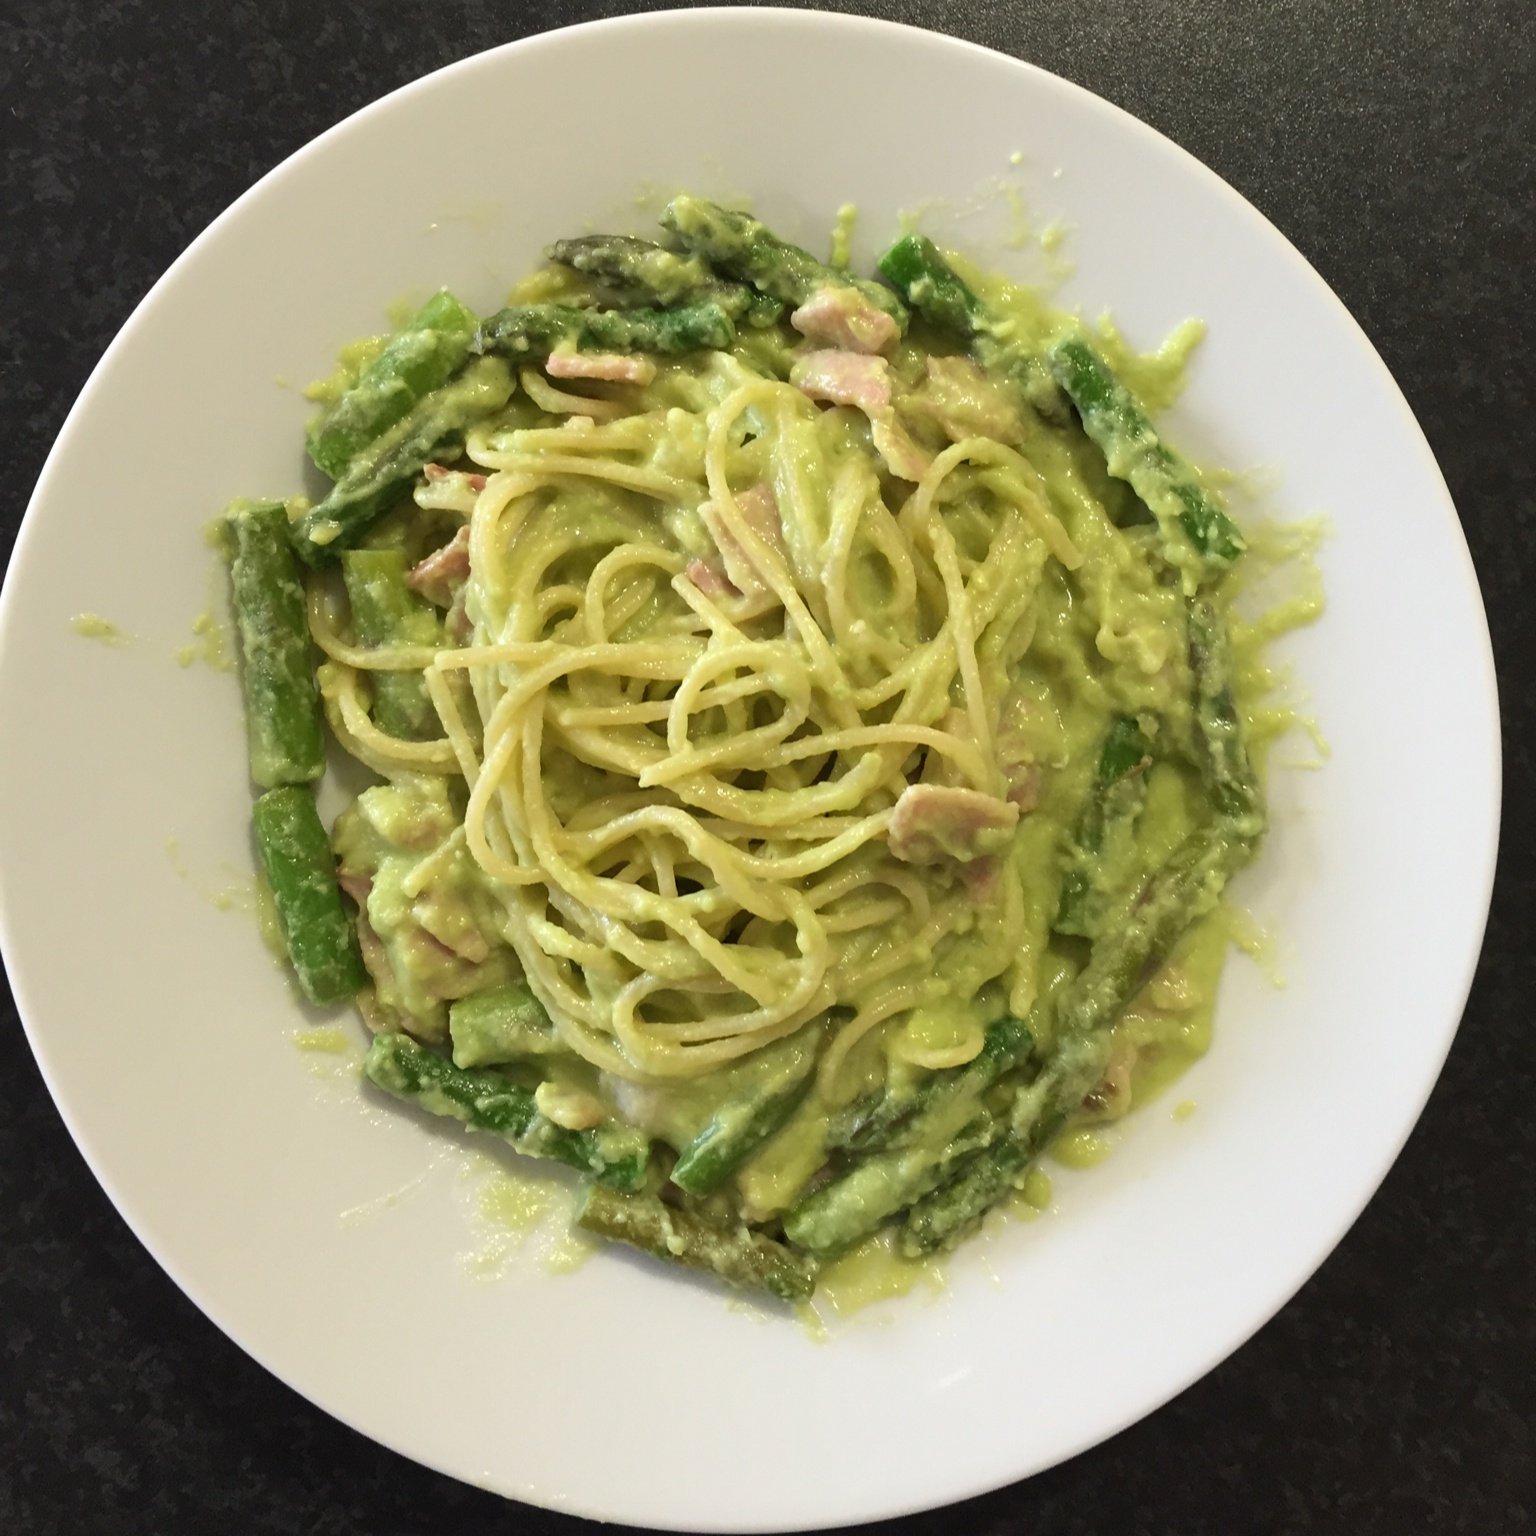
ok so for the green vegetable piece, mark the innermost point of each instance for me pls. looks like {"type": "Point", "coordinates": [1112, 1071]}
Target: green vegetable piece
{"type": "Point", "coordinates": [536, 330]}
{"type": "Point", "coordinates": [642, 273]}
{"type": "Point", "coordinates": [500, 1025]}
{"type": "Point", "coordinates": [739, 1127]}
{"type": "Point", "coordinates": [739, 245]}
{"type": "Point", "coordinates": [1228, 771]}
{"type": "Point", "coordinates": [282, 703]}
{"type": "Point", "coordinates": [387, 613]}
{"type": "Point", "coordinates": [613, 1152]}
{"type": "Point", "coordinates": [740, 1257]}
{"type": "Point", "coordinates": [917, 270]}
{"type": "Point", "coordinates": [1197, 535]}
{"type": "Point", "coordinates": [918, 1154]}
{"type": "Point", "coordinates": [1089, 878]}
{"type": "Point", "coordinates": [955, 1209]}
{"type": "Point", "coordinates": [419, 359]}
{"type": "Point", "coordinates": [433, 429]}
{"type": "Point", "coordinates": [301, 870]}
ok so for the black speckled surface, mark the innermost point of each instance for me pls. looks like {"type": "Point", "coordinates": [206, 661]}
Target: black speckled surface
{"type": "Point", "coordinates": [1394, 141]}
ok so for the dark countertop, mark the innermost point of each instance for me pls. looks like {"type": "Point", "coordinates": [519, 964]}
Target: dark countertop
{"type": "Point", "coordinates": [1395, 144]}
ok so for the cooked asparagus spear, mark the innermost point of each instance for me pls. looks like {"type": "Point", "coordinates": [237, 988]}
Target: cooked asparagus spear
{"type": "Point", "coordinates": [739, 1127]}
{"type": "Point", "coordinates": [940, 1219]}
{"type": "Point", "coordinates": [613, 1152]}
{"type": "Point", "coordinates": [535, 330]}
{"type": "Point", "coordinates": [1230, 778]}
{"type": "Point", "coordinates": [1114, 804]}
{"type": "Point", "coordinates": [301, 870]}
{"type": "Point", "coordinates": [500, 1025]}
{"type": "Point", "coordinates": [419, 359]}
{"type": "Point", "coordinates": [385, 612]}
{"type": "Point", "coordinates": [739, 1257]}
{"type": "Point", "coordinates": [917, 1154]}
{"type": "Point", "coordinates": [282, 704]}
{"type": "Point", "coordinates": [640, 272]}
{"type": "Point", "coordinates": [1197, 535]}
{"type": "Point", "coordinates": [738, 244]}
{"type": "Point", "coordinates": [380, 474]}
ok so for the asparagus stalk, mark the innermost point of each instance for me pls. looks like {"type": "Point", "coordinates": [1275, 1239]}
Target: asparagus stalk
{"type": "Point", "coordinates": [738, 244]}
{"type": "Point", "coordinates": [873, 1124]}
{"type": "Point", "coordinates": [419, 359]}
{"type": "Point", "coordinates": [385, 613]}
{"type": "Point", "coordinates": [301, 870]}
{"type": "Point", "coordinates": [1197, 535]}
{"type": "Point", "coordinates": [1119, 790]}
{"type": "Point", "coordinates": [1229, 775]}
{"type": "Point", "coordinates": [739, 1127]}
{"type": "Point", "coordinates": [500, 1025]}
{"type": "Point", "coordinates": [640, 272]}
{"type": "Point", "coordinates": [615, 1153]}
{"type": "Point", "coordinates": [941, 1219]}
{"type": "Point", "coordinates": [535, 330]}
{"type": "Point", "coordinates": [919, 1153]}
{"type": "Point", "coordinates": [378, 475]}
{"type": "Point", "coordinates": [739, 1257]}
{"type": "Point", "coordinates": [918, 270]}
{"type": "Point", "coordinates": [282, 704]}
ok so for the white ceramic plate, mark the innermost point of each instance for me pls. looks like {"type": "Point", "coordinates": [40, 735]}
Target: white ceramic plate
{"type": "Point", "coordinates": [621, 1391]}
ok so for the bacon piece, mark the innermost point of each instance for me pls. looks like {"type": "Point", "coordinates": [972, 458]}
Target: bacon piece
{"type": "Point", "coordinates": [850, 378]}
{"type": "Point", "coordinates": [709, 581]}
{"type": "Point", "coordinates": [356, 886]}
{"type": "Point", "coordinates": [933, 822]}
{"type": "Point", "coordinates": [843, 317]}
{"type": "Point", "coordinates": [440, 472]}
{"type": "Point", "coordinates": [1025, 781]}
{"type": "Point", "coordinates": [963, 402]}
{"type": "Point", "coordinates": [760, 512]}
{"type": "Point", "coordinates": [440, 576]}
{"type": "Point", "coordinates": [612, 367]}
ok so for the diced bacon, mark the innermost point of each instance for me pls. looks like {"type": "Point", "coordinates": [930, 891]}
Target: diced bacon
{"type": "Point", "coordinates": [612, 367]}
{"type": "Point", "coordinates": [709, 581]}
{"type": "Point", "coordinates": [850, 378]}
{"type": "Point", "coordinates": [760, 512]}
{"type": "Point", "coordinates": [439, 472]}
{"type": "Point", "coordinates": [983, 879]}
{"type": "Point", "coordinates": [457, 623]}
{"type": "Point", "coordinates": [843, 317]}
{"type": "Point", "coordinates": [933, 822]}
{"type": "Point", "coordinates": [1025, 781]}
{"type": "Point", "coordinates": [439, 577]}
{"type": "Point", "coordinates": [844, 378]}
{"type": "Point", "coordinates": [356, 886]}
{"type": "Point", "coordinates": [963, 402]}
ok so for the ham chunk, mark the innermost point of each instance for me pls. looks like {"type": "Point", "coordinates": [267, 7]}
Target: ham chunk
{"type": "Point", "coordinates": [843, 317]}
{"type": "Point", "coordinates": [958, 398]}
{"type": "Point", "coordinates": [933, 822]}
{"type": "Point", "coordinates": [760, 512]}
{"type": "Point", "coordinates": [851, 378]}
{"type": "Point", "coordinates": [711, 582]}
{"type": "Point", "coordinates": [440, 576]}
{"type": "Point", "coordinates": [611, 367]}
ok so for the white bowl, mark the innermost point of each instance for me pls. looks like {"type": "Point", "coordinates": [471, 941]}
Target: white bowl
{"type": "Point", "coordinates": [621, 1391]}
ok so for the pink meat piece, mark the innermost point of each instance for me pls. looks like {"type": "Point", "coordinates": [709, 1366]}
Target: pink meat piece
{"type": "Point", "coordinates": [439, 472]}
{"type": "Point", "coordinates": [850, 378]}
{"type": "Point", "coordinates": [356, 886]}
{"type": "Point", "coordinates": [963, 402]}
{"type": "Point", "coordinates": [457, 623]}
{"type": "Point", "coordinates": [983, 879]}
{"type": "Point", "coordinates": [933, 822]}
{"type": "Point", "coordinates": [760, 512]}
{"type": "Point", "coordinates": [843, 317]}
{"type": "Point", "coordinates": [844, 378]}
{"type": "Point", "coordinates": [612, 367]}
{"type": "Point", "coordinates": [443, 573]}
{"type": "Point", "coordinates": [1025, 781]}
{"type": "Point", "coordinates": [709, 581]}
